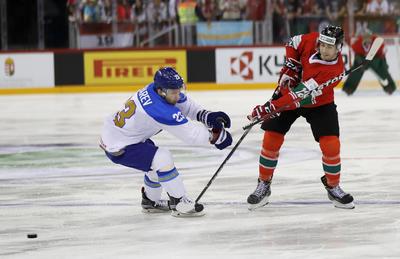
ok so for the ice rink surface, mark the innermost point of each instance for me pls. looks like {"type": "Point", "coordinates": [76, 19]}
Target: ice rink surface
{"type": "Point", "coordinates": [56, 182]}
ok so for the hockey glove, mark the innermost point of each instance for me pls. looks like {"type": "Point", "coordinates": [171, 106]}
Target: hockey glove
{"type": "Point", "coordinates": [220, 138]}
{"type": "Point", "coordinates": [308, 88]}
{"type": "Point", "coordinates": [290, 74]}
{"type": "Point", "coordinates": [260, 111]}
{"type": "Point", "coordinates": [215, 120]}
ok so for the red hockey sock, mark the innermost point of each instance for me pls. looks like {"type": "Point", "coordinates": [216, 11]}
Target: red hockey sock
{"type": "Point", "coordinates": [330, 147]}
{"type": "Point", "coordinates": [272, 143]}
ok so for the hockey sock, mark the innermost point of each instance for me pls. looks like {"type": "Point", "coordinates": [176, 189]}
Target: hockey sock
{"type": "Point", "coordinates": [167, 175]}
{"type": "Point", "coordinates": [172, 182]}
{"type": "Point", "coordinates": [152, 187]}
{"type": "Point", "coordinates": [272, 143]}
{"type": "Point", "coordinates": [330, 147]}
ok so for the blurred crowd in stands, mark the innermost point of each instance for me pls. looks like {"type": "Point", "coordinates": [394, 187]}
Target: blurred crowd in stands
{"type": "Point", "coordinates": [289, 17]}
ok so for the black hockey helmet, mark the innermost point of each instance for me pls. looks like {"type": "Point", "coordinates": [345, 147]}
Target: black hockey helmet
{"type": "Point", "coordinates": [332, 35]}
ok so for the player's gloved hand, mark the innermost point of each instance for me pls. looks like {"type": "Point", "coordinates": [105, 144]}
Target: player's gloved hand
{"type": "Point", "coordinates": [260, 111]}
{"type": "Point", "coordinates": [276, 94]}
{"type": "Point", "coordinates": [220, 138]}
{"type": "Point", "coordinates": [216, 120]}
{"type": "Point", "coordinates": [290, 74]}
{"type": "Point", "coordinates": [307, 88]}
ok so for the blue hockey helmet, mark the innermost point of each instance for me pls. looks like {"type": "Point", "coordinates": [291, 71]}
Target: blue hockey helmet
{"type": "Point", "coordinates": [168, 78]}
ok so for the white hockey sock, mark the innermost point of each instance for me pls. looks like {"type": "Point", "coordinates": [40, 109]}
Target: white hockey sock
{"type": "Point", "coordinates": [152, 187]}
{"type": "Point", "coordinates": [172, 182]}
{"type": "Point", "coordinates": [168, 176]}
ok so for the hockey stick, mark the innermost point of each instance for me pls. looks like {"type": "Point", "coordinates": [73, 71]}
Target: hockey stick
{"type": "Point", "coordinates": [370, 55]}
{"type": "Point", "coordinates": [187, 207]}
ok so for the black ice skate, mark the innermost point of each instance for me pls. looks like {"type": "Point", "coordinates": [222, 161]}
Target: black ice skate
{"type": "Point", "coordinates": [259, 197]}
{"type": "Point", "coordinates": [339, 198]}
{"type": "Point", "coordinates": [149, 206]}
{"type": "Point", "coordinates": [389, 89]}
{"type": "Point", "coordinates": [348, 90]}
{"type": "Point", "coordinates": [189, 208]}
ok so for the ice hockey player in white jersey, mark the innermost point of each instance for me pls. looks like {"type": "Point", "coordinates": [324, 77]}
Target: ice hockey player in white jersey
{"type": "Point", "coordinates": [161, 105]}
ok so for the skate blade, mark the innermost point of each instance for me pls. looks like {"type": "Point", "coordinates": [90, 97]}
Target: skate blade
{"type": "Point", "coordinates": [179, 214]}
{"type": "Point", "coordinates": [154, 211]}
{"type": "Point", "coordinates": [262, 203]}
{"type": "Point", "coordinates": [185, 207]}
{"type": "Point", "coordinates": [339, 205]}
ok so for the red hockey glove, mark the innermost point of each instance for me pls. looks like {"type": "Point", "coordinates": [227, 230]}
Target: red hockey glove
{"type": "Point", "coordinates": [260, 111]}
{"type": "Point", "coordinates": [290, 74]}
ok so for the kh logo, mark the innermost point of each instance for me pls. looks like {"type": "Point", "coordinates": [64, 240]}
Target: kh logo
{"type": "Point", "coordinates": [9, 67]}
{"type": "Point", "coordinates": [241, 65]}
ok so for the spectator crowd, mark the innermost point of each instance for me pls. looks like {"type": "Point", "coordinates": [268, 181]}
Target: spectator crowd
{"type": "Point", "coordinates": [289, 17]}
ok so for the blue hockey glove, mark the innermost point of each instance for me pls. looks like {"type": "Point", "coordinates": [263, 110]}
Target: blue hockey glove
{"type": "Point", "coordinates": [220, 138]}
{"type": "Point", "coordinates": [215, 120]}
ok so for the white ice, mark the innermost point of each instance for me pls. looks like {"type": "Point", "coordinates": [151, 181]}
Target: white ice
{"type": "Point", "coordinates": [56, 182]}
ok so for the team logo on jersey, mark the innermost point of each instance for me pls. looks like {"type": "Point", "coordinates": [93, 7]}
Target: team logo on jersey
{"type": "Point", "coordinates": [9, 67]}
{"type": "Point", "coordinates": [241, 65]}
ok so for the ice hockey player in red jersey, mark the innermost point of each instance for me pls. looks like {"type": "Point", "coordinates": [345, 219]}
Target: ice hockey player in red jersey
{"type": "Point", "coordinates": [311, 60]}
{"type": "Point", "coordinates": [379, 65]}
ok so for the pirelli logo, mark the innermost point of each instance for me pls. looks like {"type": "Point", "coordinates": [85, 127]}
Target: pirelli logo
{"type": "Point", "coordinates": [130, 67]}
{"type": "Point", "coordinates": [125, 68]}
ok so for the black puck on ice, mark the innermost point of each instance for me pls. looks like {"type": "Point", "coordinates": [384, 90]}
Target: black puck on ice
{"type": "Point", "coordinates": [32, 235]}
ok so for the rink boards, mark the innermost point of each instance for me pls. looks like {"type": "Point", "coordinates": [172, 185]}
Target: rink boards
{"type": "Point", "coordinates": [203, 68]}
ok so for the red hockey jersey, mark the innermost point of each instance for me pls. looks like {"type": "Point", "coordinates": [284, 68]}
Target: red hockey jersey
{"type": "Point", "coordinates": [304, 48]}
{"type": "Point", "coordinates": [361, 47]}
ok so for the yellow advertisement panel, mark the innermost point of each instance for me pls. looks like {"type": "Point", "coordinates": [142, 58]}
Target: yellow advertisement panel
{"type": "Point", "coordinates": [130, 67]}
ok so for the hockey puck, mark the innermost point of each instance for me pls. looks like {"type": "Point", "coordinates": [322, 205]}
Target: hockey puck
{"type": "Point", "coordinates": [32, 235]}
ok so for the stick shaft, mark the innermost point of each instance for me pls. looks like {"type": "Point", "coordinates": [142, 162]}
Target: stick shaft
{"type": "Point", "coordinates": [223, 163]}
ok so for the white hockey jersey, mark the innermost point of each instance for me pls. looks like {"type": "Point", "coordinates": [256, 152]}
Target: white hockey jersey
{"type": "Point", "coordinates": [145, 114]}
